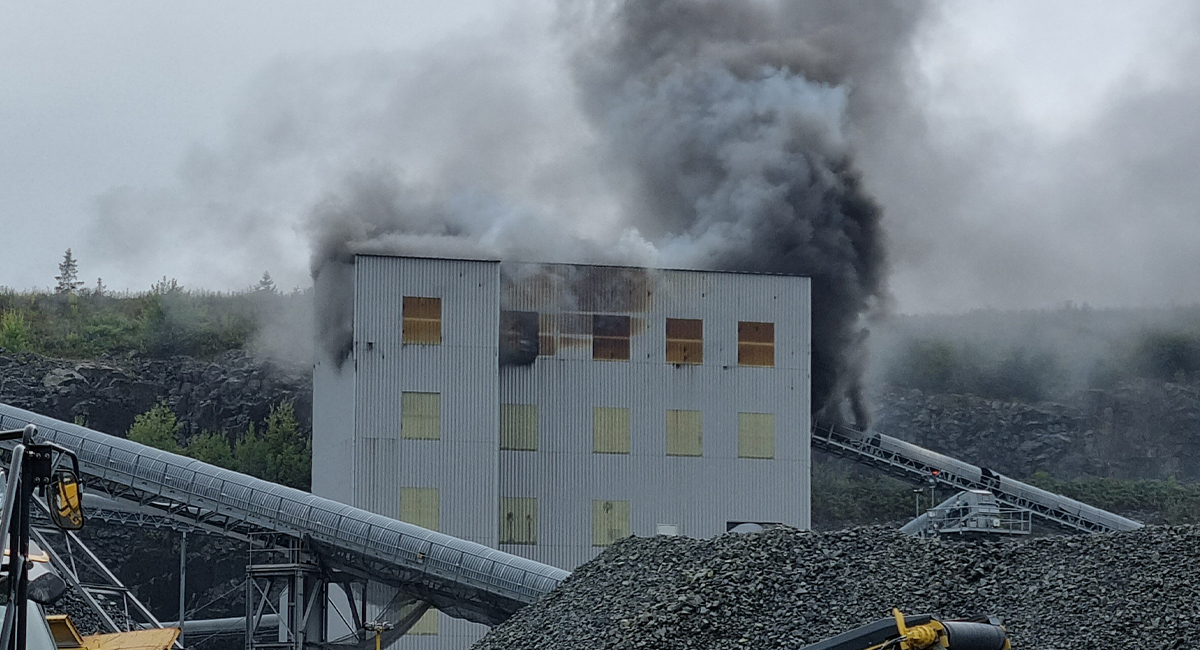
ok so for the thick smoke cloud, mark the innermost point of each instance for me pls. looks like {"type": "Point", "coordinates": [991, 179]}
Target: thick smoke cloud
{"type": "Point", "coordinates": [721, 126]}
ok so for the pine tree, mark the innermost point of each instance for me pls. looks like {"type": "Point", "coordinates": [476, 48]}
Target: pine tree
{"type": "Point", "coordinates": [266, 283]}
{"type": "Point", "coordinates": [68, 275]}
{"type": "Point", "coordinates": [100, 288]}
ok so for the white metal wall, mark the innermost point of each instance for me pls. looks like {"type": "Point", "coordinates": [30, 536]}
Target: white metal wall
{"type": "Point", "coordinates": [462, 464]}
{"type": "Point", "coordinates": [697, 494]}
{"type": "Point", "coordinates": [360, 458]}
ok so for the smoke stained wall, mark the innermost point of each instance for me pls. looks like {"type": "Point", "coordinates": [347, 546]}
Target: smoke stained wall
{"type": "Point", "coordinates": [722, 130]}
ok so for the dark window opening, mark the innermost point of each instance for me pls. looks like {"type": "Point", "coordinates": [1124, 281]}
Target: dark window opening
{"type": "Point", "coordinates": [519, 342]}
{"type": "Point", "coordinates": [610, 338]}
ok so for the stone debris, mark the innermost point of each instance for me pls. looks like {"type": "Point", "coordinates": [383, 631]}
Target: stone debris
{"type": "Point", "coordinates": [785, 588]}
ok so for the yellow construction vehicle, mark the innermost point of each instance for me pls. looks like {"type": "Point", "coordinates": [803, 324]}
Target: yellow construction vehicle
{"type": "Point", "coordinates": [26, 579]}
{"type": "Point", "coordinates": [922, 632]}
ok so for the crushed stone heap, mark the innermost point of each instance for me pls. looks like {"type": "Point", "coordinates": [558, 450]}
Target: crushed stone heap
{"type": "Point", "coordinates": [785, 588]}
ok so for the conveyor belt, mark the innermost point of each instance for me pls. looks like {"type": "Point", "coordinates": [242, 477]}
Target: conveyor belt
{"type": "Point", "coordinates": [458, 577]}
{"type": "Point", "coordinates": [908, 461]}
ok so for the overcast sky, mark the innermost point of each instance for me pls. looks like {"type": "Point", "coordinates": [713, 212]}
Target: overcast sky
{"type": "Point", "coordinates": [1054, 156]}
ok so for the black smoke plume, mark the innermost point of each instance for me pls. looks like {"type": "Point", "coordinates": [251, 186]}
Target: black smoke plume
{"type": "Point", "coordinates": [724, 128]}
{"type": "Point", "coordinates": [729, 120]}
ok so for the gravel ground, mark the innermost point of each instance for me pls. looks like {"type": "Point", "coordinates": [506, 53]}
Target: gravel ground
{"type": "Point", "coordinates": [785, 588]}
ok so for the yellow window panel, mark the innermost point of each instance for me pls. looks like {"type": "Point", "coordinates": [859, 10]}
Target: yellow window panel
{"type": "Point", "coordinates": [427, 625]}
{"type": "Point", "coordinates": [518, 520]}
{"type": "Point", "coordinates": [756, 344]}
{"type": "Point", "coordinates": [519, 427]}
{"type": "Point", "coordinates": [685, 340]}
{"type": "Point", "coordinates": [756, 435]}
{"type": "Point", "coordinates": [422, 321]}
{"type": "Point", "coordinates": [420, 416]}
{"type": "Point", "coordinates": [684, 433]}
{"type": "Point", "coordinates": [420, 507]}
{"type": "Point", "coordinates": [610, 522]}
{"type": "Point", "coordinates": [610, 430]}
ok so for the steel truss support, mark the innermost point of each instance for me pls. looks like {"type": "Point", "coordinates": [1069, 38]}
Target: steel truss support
{"type": "Point", "coordinates": [315, 606]}
{"type": "Point", "coordinates": [104, 593]}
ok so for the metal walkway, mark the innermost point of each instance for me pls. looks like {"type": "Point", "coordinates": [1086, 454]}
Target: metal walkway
{"type": "Point", "coordinates": [460, 578]}
{"type": "Point", "coordinates": [910, 462]}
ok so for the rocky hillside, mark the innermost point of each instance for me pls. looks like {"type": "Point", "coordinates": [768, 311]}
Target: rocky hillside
{"type": "Point", "coordinates": [224, 395]}
{"type": "Point", "coordinates": [1140, 429]}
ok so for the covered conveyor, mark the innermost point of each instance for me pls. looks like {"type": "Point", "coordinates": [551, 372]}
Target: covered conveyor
{"type": "Point", "coordinates": [460, 578]}
{"type": "Point", "coordinates": [910, 462]}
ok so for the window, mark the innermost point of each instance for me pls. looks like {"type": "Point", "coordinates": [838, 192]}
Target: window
{"type": "Point", "coordinates": [610, 522]}
{"type": "Point", "coordinates": [422, 321]}
{"type": "Point", "coordinates": [669, 530]}
{"type": "Point", "coordinates": [519, 427]}
{"type": "Point", "coordinates": [610, 430]}
{"type": "Point", "coordinates": [518, 520]}
{"type": "Point", "coordinates": [420, 507]}
{"type": "Point", "coordinates": [756, 344]}
{"type": "Point", "coordinates": [421, 416]}
{"type": "Point", "coordinates": [684, 430]}
{"type": "Point", "coordinates": [427, 625]}
{"type": "Point", "coordinates": [518, 338]}
{"type": "Point", "coordinates": [610, 338]}
{"type": "Point", "coordinates": [685, 340]}
{"type": "Point", "coordinates": [756, 435]}
{"type": "Point", "coordinates": [547, 341]}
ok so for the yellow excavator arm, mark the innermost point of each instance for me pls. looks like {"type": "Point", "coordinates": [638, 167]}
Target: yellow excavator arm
{"type": "Point", "coordinates": [923, 632]}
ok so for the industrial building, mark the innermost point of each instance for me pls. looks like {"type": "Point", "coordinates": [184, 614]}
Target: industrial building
{"type": "Point", "coordinates": [550, 409]}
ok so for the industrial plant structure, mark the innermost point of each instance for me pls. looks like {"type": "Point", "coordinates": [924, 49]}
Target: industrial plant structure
{"type": "Point", "coordinates": [550, 409]}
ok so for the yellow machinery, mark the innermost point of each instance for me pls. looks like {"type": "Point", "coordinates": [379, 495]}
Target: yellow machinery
{"type": "Point", "coordinates": [922, 632]}
{"type": "Point", "coordinates": [25, 577]}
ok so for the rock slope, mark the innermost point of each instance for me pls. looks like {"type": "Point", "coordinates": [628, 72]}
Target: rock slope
{"type": "Point", "coordinates": [784, 588]}
{"type": "Point", "coordinates": [225, 394]}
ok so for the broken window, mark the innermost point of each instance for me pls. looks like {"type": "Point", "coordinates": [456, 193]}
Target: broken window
{"type": "Point", "coordinates": [518, 338]}
{"type": "Point", "coordinates": [610, 338]}
{"type": "Point", "coordinates": [685, 340]}
{"type": "Point", "coordinates": [422, 321]}
{"type": "Point", "coordinates": [756, 344]}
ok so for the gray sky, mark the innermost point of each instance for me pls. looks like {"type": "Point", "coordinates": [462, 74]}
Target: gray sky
{"type": "Point", "coordinates": [1052, 156]}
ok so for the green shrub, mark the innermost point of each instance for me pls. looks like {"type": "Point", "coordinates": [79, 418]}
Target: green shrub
{"type": "Point", "coordinates": [157, 428]}
{"type": "Point", "coordinates": [280, 454]}
{"type": "Point", "coordinates": [15, 335]}
{"type": "Point", "coordinates": [1167, 355]}
{"type": "Point", "coordinates": [212, 448]}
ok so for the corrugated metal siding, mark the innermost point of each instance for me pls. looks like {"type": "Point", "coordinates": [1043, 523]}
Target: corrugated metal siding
{"type": "Point", "coordinates": [697, 494]}
{"type": "Point", "coordinates": [462, 463]}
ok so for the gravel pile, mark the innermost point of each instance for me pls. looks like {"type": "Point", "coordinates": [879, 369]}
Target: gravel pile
{"type": "Point", "coordinates": [784, 588]}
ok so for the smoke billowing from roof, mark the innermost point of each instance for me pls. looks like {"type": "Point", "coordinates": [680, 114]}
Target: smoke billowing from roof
{"type": "Point", "coordinates": [721, 128]}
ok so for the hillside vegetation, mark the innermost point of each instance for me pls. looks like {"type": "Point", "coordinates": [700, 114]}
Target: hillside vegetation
{"type": "Point", "coordinates": [167, 320]}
